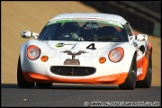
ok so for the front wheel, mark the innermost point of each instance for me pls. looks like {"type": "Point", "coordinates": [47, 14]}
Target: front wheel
{"type": "Point", "coordinates": [130, 81]}
{"type": "Point", "coordinates": [22, 83]}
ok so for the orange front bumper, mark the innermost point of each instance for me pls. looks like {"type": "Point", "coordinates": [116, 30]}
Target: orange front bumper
{"type": "Point", "coordinates": [110, 79]}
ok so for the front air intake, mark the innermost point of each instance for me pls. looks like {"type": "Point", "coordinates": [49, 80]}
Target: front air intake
{"type": "Point", "coordinates": [72, 71]}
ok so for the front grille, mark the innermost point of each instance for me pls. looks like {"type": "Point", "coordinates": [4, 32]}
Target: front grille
{"type": "Point", "coordinates": [72, 71]}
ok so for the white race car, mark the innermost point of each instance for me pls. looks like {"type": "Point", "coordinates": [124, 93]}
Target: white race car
{"type": "Point", "coordinates": [85, 48]}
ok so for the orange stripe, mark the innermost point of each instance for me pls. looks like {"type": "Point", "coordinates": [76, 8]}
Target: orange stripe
{"type": "Point", "coordinates": [142, 63]}
{"type": "Point", "coordinates": [110, 79]}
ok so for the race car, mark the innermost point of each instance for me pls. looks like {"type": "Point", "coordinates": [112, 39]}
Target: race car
{"type": "Point", "coordinates": [85, 48]}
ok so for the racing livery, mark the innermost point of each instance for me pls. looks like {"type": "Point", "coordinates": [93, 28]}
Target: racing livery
{"type": "Point", "coordinates": [85, 48]}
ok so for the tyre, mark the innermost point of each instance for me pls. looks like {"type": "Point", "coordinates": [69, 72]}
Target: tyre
{"type": "Point", "coordinates": [44, 85]}
{"type": "Point", "coordinates": [130, 81]}
{"type": "Point", "coordinates": [146, 83]}
{"type": "Point", "coordinates": [22, 83]}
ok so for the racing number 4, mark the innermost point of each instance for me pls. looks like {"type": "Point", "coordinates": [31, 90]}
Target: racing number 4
{"type": "Point", "coordinates": [91, 46]}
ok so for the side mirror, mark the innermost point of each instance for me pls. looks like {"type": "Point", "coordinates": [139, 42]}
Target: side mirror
{"type": "Point", "coordinates": [28, 34]}
{"type": "Point", "coordinates": [142, 37]}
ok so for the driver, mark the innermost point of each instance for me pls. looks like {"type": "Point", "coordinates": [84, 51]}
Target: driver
{"type": "Point", "coordinates": [71, 28]}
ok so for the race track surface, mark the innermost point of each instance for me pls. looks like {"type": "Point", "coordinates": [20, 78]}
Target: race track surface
{"type": "Point", "coordinates": [67, 95]}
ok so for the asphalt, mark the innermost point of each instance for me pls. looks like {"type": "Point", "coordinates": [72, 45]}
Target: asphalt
{"type": "Point", "coordinates": [70, 95]}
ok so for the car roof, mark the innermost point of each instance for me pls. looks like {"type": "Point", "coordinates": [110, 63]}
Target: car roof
{"type": "Point", "coordinates": [98, 16]}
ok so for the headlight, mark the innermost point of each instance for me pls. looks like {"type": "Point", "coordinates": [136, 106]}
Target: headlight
{"type": "Point", "coordinates": [33, 52]}
{"type": "Point", "coordinates": [116, 54]}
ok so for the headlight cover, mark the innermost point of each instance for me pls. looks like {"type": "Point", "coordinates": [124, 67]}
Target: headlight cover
{"type": "Point", "coordinates": [116, 55]}
{"type": "Point", "coordinates": [33, 52]}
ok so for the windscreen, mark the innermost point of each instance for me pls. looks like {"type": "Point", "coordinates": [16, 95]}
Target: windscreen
{"type": "Point", "coordinates": [84, 30]}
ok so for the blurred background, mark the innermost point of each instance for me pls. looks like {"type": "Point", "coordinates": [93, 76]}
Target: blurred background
{"type": "Point", "coordinates": [144, 16]}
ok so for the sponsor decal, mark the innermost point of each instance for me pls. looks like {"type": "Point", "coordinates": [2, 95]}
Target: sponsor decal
{"type": "Point", "coordinates": [139, 71]}
{"type": "Point", "coordinates": [61, 45]}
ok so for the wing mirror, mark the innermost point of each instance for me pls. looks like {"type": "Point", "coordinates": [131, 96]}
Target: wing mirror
{"type": "Point", "coordinates": [142, 37]}
{"type": "Point", "coordinates": [28, 34]}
